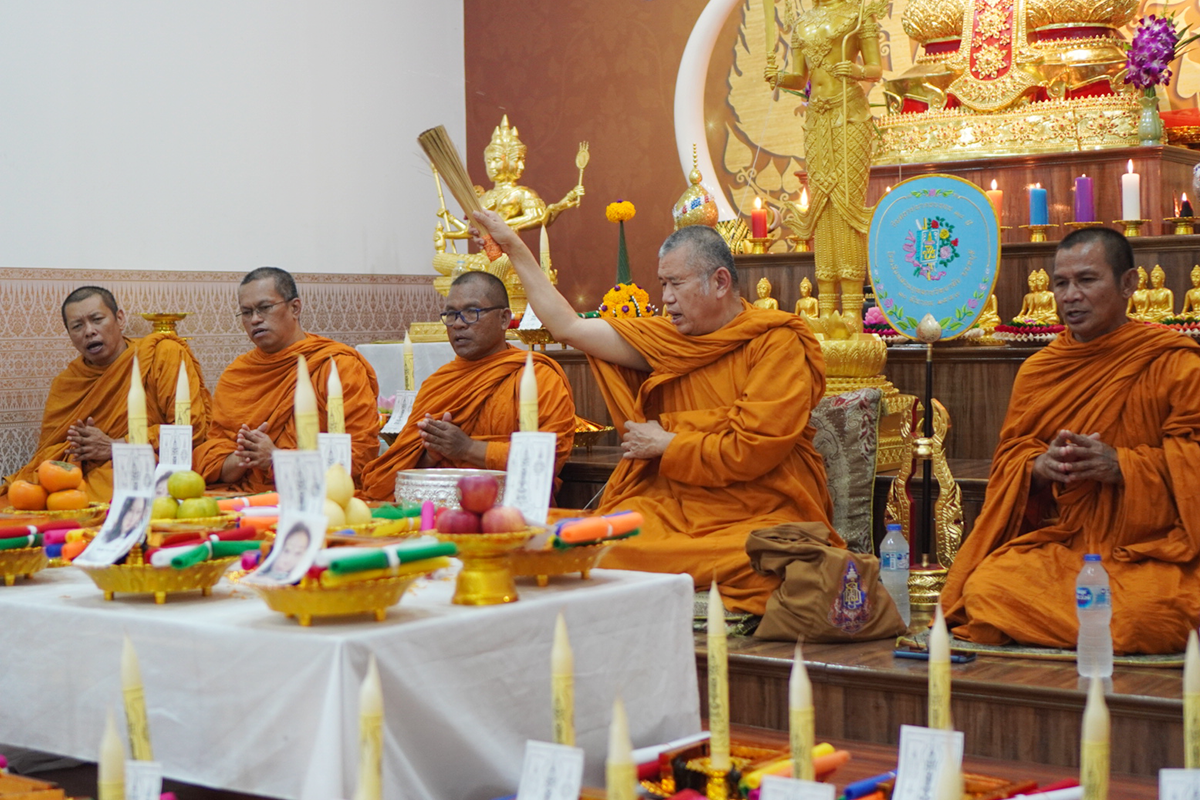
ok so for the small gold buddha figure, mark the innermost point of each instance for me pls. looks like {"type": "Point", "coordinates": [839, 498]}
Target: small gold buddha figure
{"type": "Point", "coordinates": [989, 319]}
{"type": "Point", "coordinates": [807, 304]}
{"type": "Point", "coordinates": [1026, 312]}
{"type": "Point", "coordinates": [764, 296]}
{"type": "Point", "coordinates": [1045, 308]}
{"type": "Point", "coordinates": [1139, 301]}
{"type": "Point", "coordinates": [1191, 300]}
{"type": "Point", "coordinates": [1160, 303]}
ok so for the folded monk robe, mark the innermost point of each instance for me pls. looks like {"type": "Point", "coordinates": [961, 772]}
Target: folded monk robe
{"type": "Point", "coordinates": [82, 390]}
{"type": "Point", "coordinates": [260, 387]}
{"type": "Point", "coordinates": [1014, 577]}
{"type": "Point", "coordinates": [738, 400]}
{"type": "Point", "coordinates": [482, 398]}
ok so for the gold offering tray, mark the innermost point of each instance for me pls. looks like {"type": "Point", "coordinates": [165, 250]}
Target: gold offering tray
{"type": "Point", "coordinates": [161, 528]}
{"type": "Point", "coordinates": [309, 599]}
{"type": "Point", "coordinates": [21, 561]}
{"type": "Point", "coordinates": [94, 513]}
{"type": "Point", "coordinates": [541, 564]}
{"type": "Point", "coordinates": [485, 578]}
{"type": "Point", "coordinates": [159, 581]}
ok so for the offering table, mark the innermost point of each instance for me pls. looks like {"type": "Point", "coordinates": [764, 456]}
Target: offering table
{"type": "Point", "coordinates": [242, 698]}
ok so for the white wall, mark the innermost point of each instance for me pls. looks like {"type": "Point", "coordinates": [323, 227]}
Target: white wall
{"type": "Point", "coordinates": [224, 134]}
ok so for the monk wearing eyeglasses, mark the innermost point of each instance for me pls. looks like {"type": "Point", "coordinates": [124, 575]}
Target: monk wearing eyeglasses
{"type": "Point", "coordinates": [466, 411]}
{"type": "Point", "coordinates": [253, 402]}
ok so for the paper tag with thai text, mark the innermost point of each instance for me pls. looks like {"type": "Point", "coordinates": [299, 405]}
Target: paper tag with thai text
{"type": "Point", "coordinates": [335, 449]}
{"type": "Point", "coordinates": [400, 412]}
{"type": "Point", "coordinates": [529, 320]}
{"type": "Point", "coordinates": [776, 787]}
{"type": "Point", "coordinates": [300, 481]}
{"type": "Point", "coordinates": [1179, 784]}
{"type": "Point", "coordinates": [550, 772]}
{"type": "Point", "coordinates": [174, 454]}
{"type": "Point", "coordinates": [530, 474]}
{"type": "Point", "coordinates": [133, 468]}
{"type": "Point", "coordinates": [923, 754]}
{"type": "Point", "coordinates": [143, 780]}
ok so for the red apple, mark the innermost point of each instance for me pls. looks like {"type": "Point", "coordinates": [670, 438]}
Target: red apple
{"type": "Point", "coordinates": [455, 520]}
{"type": "Point", "coordinates": [503, 519]}
{"type": "Point", "coordinates": [477, 492]}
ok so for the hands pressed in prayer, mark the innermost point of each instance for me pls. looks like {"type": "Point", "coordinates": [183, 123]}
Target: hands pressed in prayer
{"type": "Point", "coordinates": [443, 437]}
{"type": "Point", "coordinates": [86, 442]}
{"type": "Point", "coordinates": [645, 440]}
{"type": "Point", "coordinates": [254, 447]}
{"type": "Point", "coordinates": [1072, 458]}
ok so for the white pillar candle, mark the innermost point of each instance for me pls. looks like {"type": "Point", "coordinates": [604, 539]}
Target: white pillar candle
{"type": "Point", "coordinates": [1131, 194]}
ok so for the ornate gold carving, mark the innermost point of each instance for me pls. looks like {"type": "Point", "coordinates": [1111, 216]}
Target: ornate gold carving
{"type": "Point", "coordinates": [1044, 14]}
{"type": "Point", "coordinates": [933, 20]}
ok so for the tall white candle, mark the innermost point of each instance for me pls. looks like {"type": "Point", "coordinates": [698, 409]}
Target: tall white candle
{"type": "Point", "coordinates": [562, 684]}
{"type": "Point", "coordinates": [370, 736]}
{"type": "Point", "coordinates": [136, 407]}
{"type": "Point", "coordinates": [718, 682]}
{"type": "Point", "coordinates": [335, 410]}
{"type": "Point", "coordinates": [1094, 747]}
{"type": "Point", "coordinates": [183, 397]}
{"type": "Point", "coordinates": [620, 773]}
{"type": "Point", "coordinates": [305, 408]}
{"type": "Point", "coordinates": [939, 673]}
{"type": "Point", "coordinates": [527, 397]}
{"type": "Point", "coordinates": [800, 718]}
{"type": "Point", "coordinates": [1191, 703]}
{"type": "Point", "coordinates": [1131, 194]}
{"type": "Point", "coordinates": [110, 771]}
{"type": "Point", "coordinates": [410, 375]}
{"type": "Point", "coordinates": [135, 704]}
{"type": "Point", "coordinates": [950, 782]}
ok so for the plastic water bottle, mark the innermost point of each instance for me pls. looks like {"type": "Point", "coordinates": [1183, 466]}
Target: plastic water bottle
{"type": "Point", "coordinates": [1093, 605]}
{"type": "Point", "coordinates": [893, 561]}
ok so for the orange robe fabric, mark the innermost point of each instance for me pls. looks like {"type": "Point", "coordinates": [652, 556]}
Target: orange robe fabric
{"type": "Point", "coordinates": [482, 398]}
{"type": "Point", "coordinates": [738, 400]}
{"type": "Point", "coordinates": [1014, 577]}
{"type": "Point", "coordinates": [260, 387]}
{"type": "Point", "coordinates": [83, 391]}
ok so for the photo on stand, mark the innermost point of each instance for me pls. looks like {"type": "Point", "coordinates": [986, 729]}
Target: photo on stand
{"type": "Point", "coordinates": [298, 538]}
{"type": "Point", "coordinates": [126, 524]}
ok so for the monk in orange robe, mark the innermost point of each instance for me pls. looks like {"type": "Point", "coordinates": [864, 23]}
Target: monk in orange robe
{"type": "Point", "coordinates": [254, 399]}
{"type": "Point", "coordinates": [86, 410]}
{"type": "Point", "coordinates": [466, 411]}
{"type": "Point", "coordinates": [1099, 453]}
{"type": "Point", "coordinates": [713, 408]}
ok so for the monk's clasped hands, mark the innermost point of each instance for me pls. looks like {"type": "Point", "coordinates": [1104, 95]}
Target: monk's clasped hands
{"type": "Point", "coordinates": [86, 442]}
{"type": "Point", "coordinates": [254, 447]}
{"type": "Point", "coordinates": [645, 440]}
{"type": "Point", "coordinates": [445, 438]}
{"type": "Point", "coordinates": [1072, 458]}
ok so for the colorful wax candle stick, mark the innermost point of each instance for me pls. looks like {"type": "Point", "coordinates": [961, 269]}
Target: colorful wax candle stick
{"type": "Point", "coordinates": [335, 412]}
{"type": "Point", "coordinates": [370, 736]}
{"type": "Point", "coordinates": [305, 408]}
{"type": "Point", "coordinates": [1085, 199]}
{"type": "Point", "coordinates": [939, 673]}
{"type": "Point", "coordinates": [1191, 703]}
{"type": "Point", "coordinates": [428, 518]}
{"type": "Point", "coordinates": [800, 718]}
{"type": "Point", "coordinates": [527, 402]}
{"type": "Point", "coordinates": [997, 198]}
{"type": "Point", "coordinates": [1039, 212]}
{"type": "Point", "coordinates": [183, 397]}
{"type": "Point", "coordinates": [718, 682]}
{"type": "Point", "coordinates": [136, 407]}
{"type": "Point", "coordinates": [1094, 746]}
{"type": "Point", "coordinates": [135, 704]}
{"type": "Point", "coordinates": [392, 555]}
{"type": "Point", "coordinates": [562, 684]}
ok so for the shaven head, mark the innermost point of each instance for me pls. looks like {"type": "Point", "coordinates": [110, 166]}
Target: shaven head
{"type": "Point", "coordinates": [269, 308]}
{"type": "Point", "coordinates": [492, 288]}
{"type": "Point", "coordinates": [83, 293]}
{"type": "Point", "coordinates": [285, 284]}
{"type": "Point", "coordinates": [707, 251]}
{"type": "Point", "coordinates": [699, 281]}
{"type": "Point", "coordinates": [482, 297]}
{"type": "Point", "coordinates": [1118, 254]}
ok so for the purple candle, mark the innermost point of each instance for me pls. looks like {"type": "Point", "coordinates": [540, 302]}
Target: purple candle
{"type": "Point", "coordinates": [1085, 209]}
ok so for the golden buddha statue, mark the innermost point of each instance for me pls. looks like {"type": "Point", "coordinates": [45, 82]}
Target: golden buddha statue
{"type": "Point", "coordinates": [989, 319]}
{"type": "Point", "coordinates": [1191, 300]}
{"type": "Point", "coordinates": [1160, 303]}
{"type": "Point", "coordinates": [1038, 306]}
{"type": "Point", "coordinates": [807, 304]}
{"type": "Point", "coordinates": [764, 296]}
{"type": "Point", "coordinates": [1139, 301]}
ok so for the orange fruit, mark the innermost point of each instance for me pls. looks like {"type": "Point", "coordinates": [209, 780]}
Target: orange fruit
{"type": "Point", "coordinates": [54, 476]}
{"type": "Point", "coordinates": [66, 500]}
{"type": "Point", "coordinates": [26, 496]}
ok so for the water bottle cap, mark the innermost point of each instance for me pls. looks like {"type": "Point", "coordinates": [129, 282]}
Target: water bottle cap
{"type": "Point", "coordinates": [1092, 557]}
{"type": "Point", "coordinates": [892, 526]}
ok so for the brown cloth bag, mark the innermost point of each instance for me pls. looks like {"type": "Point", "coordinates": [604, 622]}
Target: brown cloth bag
{"type": "Point", "coordinates": [827, 594]}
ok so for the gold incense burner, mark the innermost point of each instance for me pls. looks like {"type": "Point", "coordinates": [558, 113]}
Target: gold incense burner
{"type": "Point", "coordinates": [21, 562]}
{"type": "Point", "coordinates": [486, 578]}
{"type": "Point", "coordinates": [163, 321]}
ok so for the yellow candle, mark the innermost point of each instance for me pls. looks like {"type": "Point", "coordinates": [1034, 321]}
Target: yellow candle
{"type": "Point", "coordinates": [136, 407]}
{"type": "Point", "coordinates": [950, 782]}
{"type": "Point", "coordinates": [135, 704]}
{"type": "Point", "coordinates": [562, 684]}
{"type": "Point", "coordinates": [410, 375]}
{"type": "Point", "coordinates": [527, 405]}
{"type": "Point", "coordinates": [1191, 704]}
{"type": "Point", "coordinates": [718, 682]}
{"type": "Point", "coordinates": [939, 673]}
{"type": "Point", "coordinates": [370, 737]}
{"type": "Point", "coordinates": [620, 773]}
{"type": "Point", "coordinates": [544, 251]}
{"type": "Point", "coordinates": [800, 719]}
{"type": "Point", "coordinates": [335, 413]}
{"type": "Point", "coordinates": [305, 409]}
{"type": "Point", "coordinates": [1093, 756]}
{"type": "Point", "coordinates": [110, 771]}
{"type": "Point", "coordinates": [183, 398]}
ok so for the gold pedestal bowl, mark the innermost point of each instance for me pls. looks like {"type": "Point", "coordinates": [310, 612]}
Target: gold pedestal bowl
{"type": "Point", "coordinates": [486, 578]}
{"type": "Point", "coordinates": [92, 515]}
{"type": "Point", "coordinates": [541, 564]}
{"type": "Point", "coordinates": [158, 581]}
{"type": "Point", "coordinates": [21, 561]}
{"type": "Point", "coordinates": [310, 599]}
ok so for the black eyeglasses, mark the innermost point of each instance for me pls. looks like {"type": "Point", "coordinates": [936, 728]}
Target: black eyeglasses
{"type": "Point", "coordinates": [467, 315]}
{"type": "Point", "coordinates": [261, 310]}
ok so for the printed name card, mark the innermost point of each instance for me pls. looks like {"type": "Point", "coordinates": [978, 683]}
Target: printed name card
{"type": "Point", "coordinates": [1179, 784]}
{"type": "Point", "coordinates": [551, 772]}
{"type": "Point", "coordinates": [400, 412]}
{"type": "Point", "coordinates": [775, 787]}
{"type": "Point", "coordinates": [174, 454]}
{"type": "Point", "coordinates": [335, 449]}
{"type": "Point", "coordinates": [143, 779]}
{"type": "Point", "coordinates": [133, 468]}
{"type": "Point", "coordinates": [300, 480]}
{"type": "Point", "coordinates": [923, 754]}
{"type": "Point", "coordinates": [530, 474]}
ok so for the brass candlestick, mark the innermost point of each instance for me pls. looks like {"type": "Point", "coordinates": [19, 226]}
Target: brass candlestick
{"type": "Point", "coordinates": [164, 321]}
{"type": "Point", "coordinates": [1184, 226]}
{"type": "Point", "coordinates": [799, 245]}
{"type": "Point", "coordinates": [757, 246]}
{"type": "Point", "coordinates": [1078, 225]}
{"type": "Point", "coordinates": [1133, 227]}
{"type": "Point", "coordinates": [717, 786]}
{"type": "Point", "coordinates": [1037, 233]}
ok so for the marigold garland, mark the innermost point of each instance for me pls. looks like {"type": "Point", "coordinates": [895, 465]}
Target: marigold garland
{"type": "Point", "coordinates": [627, 300]}
{"type": "Point", "coordinates": [619, 211]}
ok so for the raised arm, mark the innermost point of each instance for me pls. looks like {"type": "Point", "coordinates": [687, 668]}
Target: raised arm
{"type": "Point", "coordinates": [593, 336]}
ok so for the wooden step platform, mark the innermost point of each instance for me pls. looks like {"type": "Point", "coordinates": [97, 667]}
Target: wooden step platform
{"type": "Point", "coordinates": [1013, 709]}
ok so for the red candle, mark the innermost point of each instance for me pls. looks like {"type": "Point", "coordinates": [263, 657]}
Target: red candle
{"type": "Point", "coordinates": [758, 220]}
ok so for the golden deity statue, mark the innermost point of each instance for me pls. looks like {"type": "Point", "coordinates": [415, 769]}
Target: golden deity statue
{"type": "Point", "coordinates": [807, 304]}
{"type": "Point", "coordinates": [827, 43]}
{"type": "Point", "coordinates": [1139, 301]}
{"type": "Point", "coordinates": [1038, 306]}
{"type": "Point", "coordinates": [989, 319]}
{"type": "Point", "coordinates": [1191, 300]}
{"type": "Point", "coordinates": [764, 296]}
{"type": "Point", "coordinates": [1160, 303]}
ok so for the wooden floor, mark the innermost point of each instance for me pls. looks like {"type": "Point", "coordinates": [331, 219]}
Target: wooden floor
{"type": "Point", "coordinates": [1012, 709]}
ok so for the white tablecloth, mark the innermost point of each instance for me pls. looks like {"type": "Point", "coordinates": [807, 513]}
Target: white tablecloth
{"type": "Point", "coordinates": [241, 698]}
{"type": "Point", "coordinates": [388, 361]}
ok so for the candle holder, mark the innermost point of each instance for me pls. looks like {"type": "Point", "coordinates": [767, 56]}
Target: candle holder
{"type": "Point", "coordinates": [1133, 227]}
{"type": "Point", "coordinates": [1037, 233]}
{"type": "Point", "coordinates": [1078, 225]}
{"type": "Point", "coordinates": [799, 245]}
{"type": "Point", "coordinates": [717, 785]}
{"type": "Point", "coordinates": [758, 245]}
{"type": "Point", "coordinates": [164, 321]}
{"type": "Point", "coordinates": [1184, 226]}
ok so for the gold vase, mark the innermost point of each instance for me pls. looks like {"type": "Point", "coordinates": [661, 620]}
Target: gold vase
{"type": "Point", "coordinates": [486, 578]}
